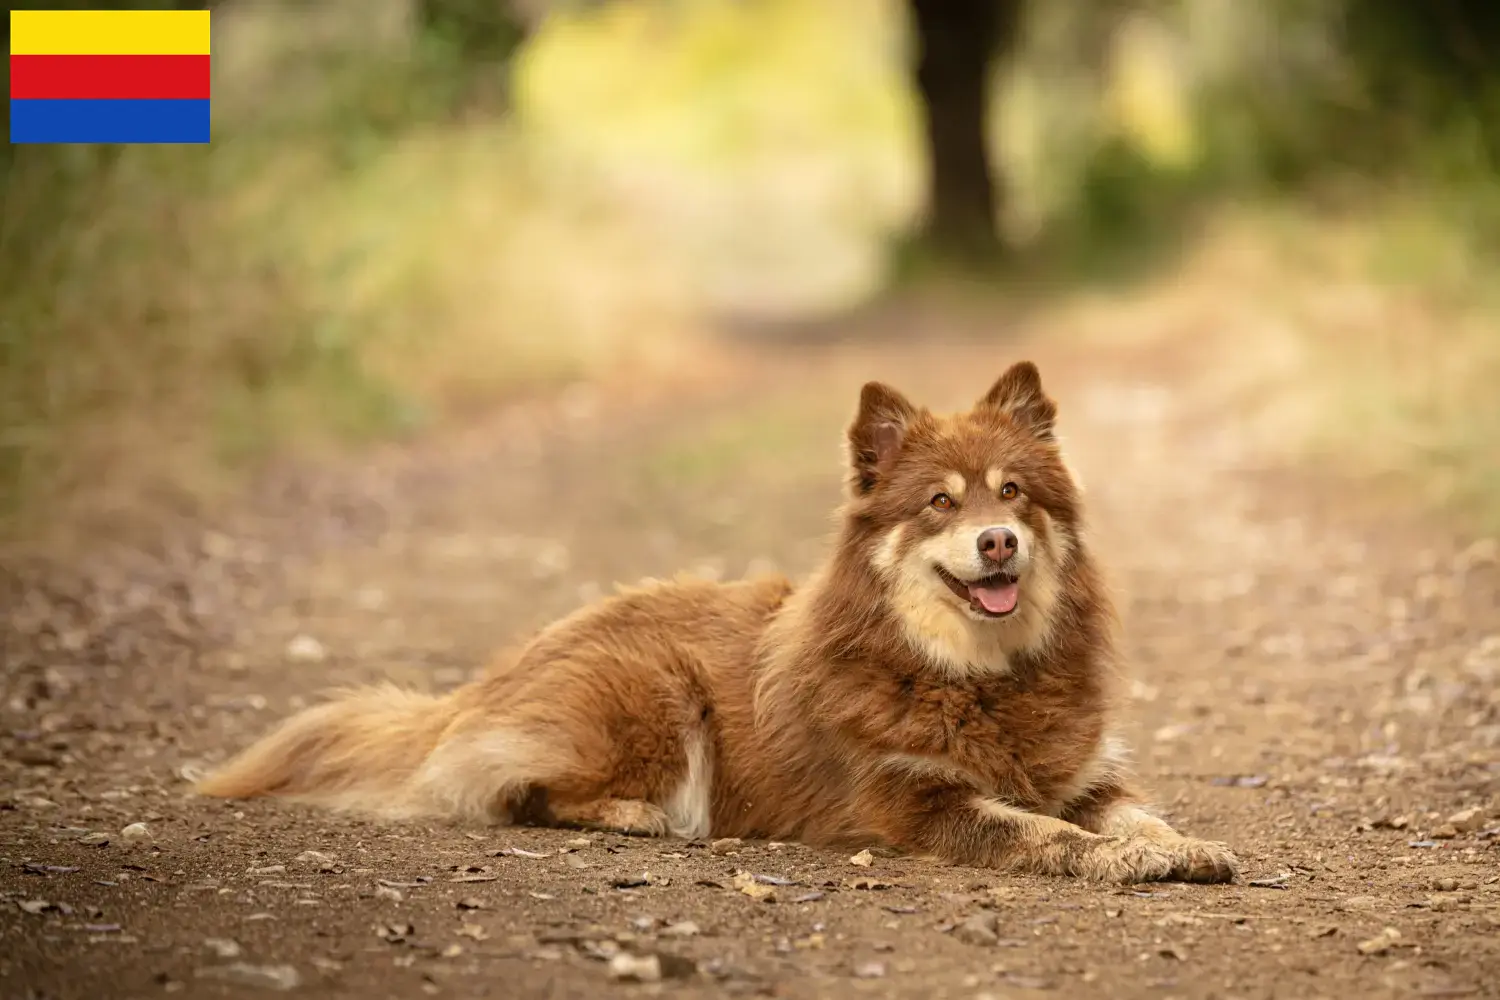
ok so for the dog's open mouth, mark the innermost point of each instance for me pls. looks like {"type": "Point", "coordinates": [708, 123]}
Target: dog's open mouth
{"type": "Point", "coordinates": [994, 596]}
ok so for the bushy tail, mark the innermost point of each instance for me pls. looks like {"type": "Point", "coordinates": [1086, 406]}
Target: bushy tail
{"type": "Point", "coordinates": [356, 752]}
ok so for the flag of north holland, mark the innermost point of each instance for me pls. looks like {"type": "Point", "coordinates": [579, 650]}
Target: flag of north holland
{"type": "Point", "coordinates": [130, 76]}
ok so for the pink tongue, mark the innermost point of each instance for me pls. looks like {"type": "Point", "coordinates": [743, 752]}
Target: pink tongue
{"type": "Point", "coordinates": [997, 599]}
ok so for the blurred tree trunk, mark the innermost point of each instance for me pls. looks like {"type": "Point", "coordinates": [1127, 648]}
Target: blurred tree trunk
{"type": "Point", "coordinates": [957, 41]}
{"type": "Point", "coordinates": [479, 30]}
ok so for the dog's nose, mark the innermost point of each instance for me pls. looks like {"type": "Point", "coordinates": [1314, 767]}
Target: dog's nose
{"type": "Point", "coordinates": [997, 544]}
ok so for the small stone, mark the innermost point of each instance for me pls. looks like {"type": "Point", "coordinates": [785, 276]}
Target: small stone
{"type": "Point", "coordinates": [980, 929]}
{"type": "Point", "coordinates": [135, 833]}
{"type": "Point", "coordinates": [681, 929]}
{"type": "Point", "coordinates": [864, 859]}
{"type": "Point", "coordinates": [869, 970]}
{"type": "Point", "coordinates": [306, 649]}
{"type": "Point", "coordinates": [470, 903]}
{"type": "Point", "coordinates": [1467, 820]}
{"type": "Point", "coordinates": [96, 839]}
{"type": "Point", "coordinates": [1445, 832]}
{"type": "Point", "coordinates": [323, 862]}
{"type": "Point", "coordinates": [222, 947]}
{"type": "Point", "coordinates": [452, 951]}
{"type": "Point", "coordinates": [1380, 943]}
{"type": "Point", "coordinates": [35, 907]}
{"type": "Point", "coordinates": [267, 870]}
{"type": "Point", "coordinates": [387, 893]}
{"type": "Point", "coordinates": [269, 977]}
{"type": "Point", "coordinates": [725, 845]}
{"type": "Point", "coordinates": [635, 969]}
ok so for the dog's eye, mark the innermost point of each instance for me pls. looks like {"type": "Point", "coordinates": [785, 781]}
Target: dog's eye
{"type": "Point", "coordinates": [1009, 491]}
{"type": "Point", "coordinates": [943, 502]}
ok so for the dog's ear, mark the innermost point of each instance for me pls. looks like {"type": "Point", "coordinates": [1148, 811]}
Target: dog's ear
{"type": "Point", "coordinates": [875, 436]}
{"type": "Point", "coordinates": [1018, 394]}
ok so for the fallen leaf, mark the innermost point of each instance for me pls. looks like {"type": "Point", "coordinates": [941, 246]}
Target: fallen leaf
{"type": "Point", "coordinates": [979, 929]}
{"type": "Point", "coordinates": [394, 933]}
{"type": "Point", "coordinates": [272, 977]}
{"type": "Point", "coordinates": [223, 947]}
{"type": "Point", "coordinates": [774, 880]}
{"type": "Point", "coordinates": [1027, 982]}
{"type": "Point", "coordinates": [1380, 943]}
{"type": "Point", "coordinates": [635, 969]}
{"type": "Point", "coordinates": [866, 883]}
{"type": "Point", "coordinates": [1271, 882]}
{"type": "Point", "coordinates": [745, 883]}
{"type": "Point", "coordinates": [1242, 781]}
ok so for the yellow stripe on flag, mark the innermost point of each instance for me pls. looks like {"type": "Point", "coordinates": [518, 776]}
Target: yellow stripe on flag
{"type": "Point", "coordinates": [109, 32]}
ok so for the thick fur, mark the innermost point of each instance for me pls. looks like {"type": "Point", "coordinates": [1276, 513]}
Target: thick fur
{"type": "Point", "coordinates": [872, 704]}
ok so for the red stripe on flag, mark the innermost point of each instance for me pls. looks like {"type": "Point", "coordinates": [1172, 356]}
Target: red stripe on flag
{"type": "Point", "coordinates": [109, 77]}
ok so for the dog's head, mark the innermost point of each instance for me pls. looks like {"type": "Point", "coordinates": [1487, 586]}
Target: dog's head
{"type": "Point", "coordinates": [968, 520]}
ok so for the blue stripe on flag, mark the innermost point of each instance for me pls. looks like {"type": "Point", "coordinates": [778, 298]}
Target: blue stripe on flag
{"type": "Point", "coordinates": [154, 121]}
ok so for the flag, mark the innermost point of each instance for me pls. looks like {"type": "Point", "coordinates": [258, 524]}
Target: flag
{"type": "Point", "coordinates": [129, 76]}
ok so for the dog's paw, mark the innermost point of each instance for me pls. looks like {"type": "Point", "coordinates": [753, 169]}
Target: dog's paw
{"type": "Point", "coordinates": [633, 817]}
{"type": "Point", "coordinates": [1128, 860]}
{"type": "Point", "coordinates": [1163, 859]}
{"type": "Point", "coordinates": [1202, 861]}
{"type": "Point", "coordinates": [1160, 859]}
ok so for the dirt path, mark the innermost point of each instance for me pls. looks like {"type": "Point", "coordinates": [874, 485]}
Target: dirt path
{"type": "Point", "coordinates": [1315, 682]}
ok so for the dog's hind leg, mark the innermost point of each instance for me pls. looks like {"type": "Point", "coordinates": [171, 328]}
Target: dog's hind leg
{"type": "Point", "coordinates": [629, 816]}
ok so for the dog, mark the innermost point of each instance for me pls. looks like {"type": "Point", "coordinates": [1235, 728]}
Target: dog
{"type": "Point", "coordinates": [942, 686]}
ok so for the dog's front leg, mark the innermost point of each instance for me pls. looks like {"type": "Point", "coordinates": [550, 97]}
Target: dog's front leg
{"type": "Point", "coordinates": [1112, 810]}
{"type": "Point", "coordinates": [962, 827]}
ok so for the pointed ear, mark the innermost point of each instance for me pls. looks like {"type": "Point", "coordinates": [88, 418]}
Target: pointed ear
{"type": "Point", "coordinates": [1018, 394]}
{"type": "Point", "coordinates": [875, 436]}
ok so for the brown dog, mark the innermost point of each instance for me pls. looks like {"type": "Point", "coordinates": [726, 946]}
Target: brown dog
{"type": "Point", "coordinates": [941, 685]}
